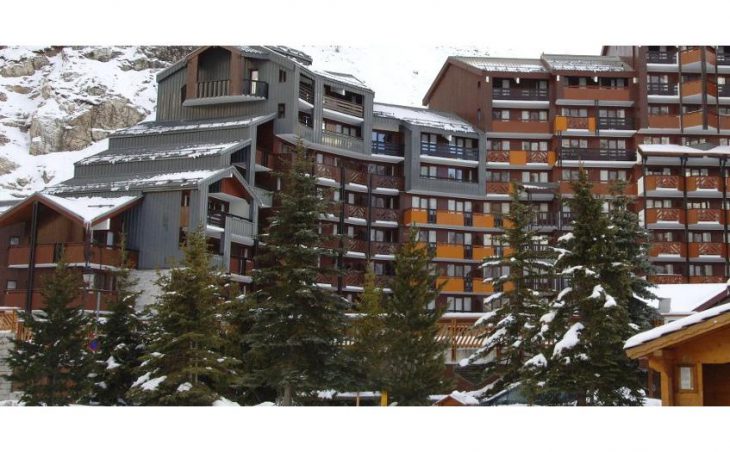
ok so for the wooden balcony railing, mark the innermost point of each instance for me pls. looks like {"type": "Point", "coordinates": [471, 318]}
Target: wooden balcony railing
{"type": "Point", "coordinates": [392, 182]}
{"type": "Point", "coordinates": [327, 171]}
{"type": "Point", "coordinates": [692, 119]}
{"type": "Point", "coordinates": [716, 279]}
{"type": "Point", "coordinates": [355, 177]}
{"type": "Point", "coordinates": [306, 93]}
{"type": "Point", "coordinates": [353, 278]}
{"type": "Point", "coordinates": [662, 182]}
{"type": "Point", "coordinates": [521, 126]}
{"type": "Point", "coordinates": [595, 92]}
{"type": "Point", "coordinates": [241, 265]}
{"type": "Point", "coordinates": [657, 57]}
{"type": "Point", "coordinates": [520, 93]}
{"type": "Point", "coordinates": [355, 245]}
{"type": "Point", "coordinates": [664, 215]}
{"type": "Point", "coordinates": [698, 216]}
{"type": "Point", "coordinates": [87, 299]}
{"type": "Point", "coordinates": [705, 249]}
{"type": "Point", "coordinates": [10, 321]}
{"type": "Point", "coordinates": [382, 214]}
{"type": "Point", "coordinates": [383, 248]}
{"type": "Point", "coordinates": [667, 249]}
{"type": "Point", "coordinates": [219, 88]}
{"type": "Point", "coordinates": [343, 106]}
{"type": "Point", "coordinates": [563, 123]}
{"type": "Point", "coordinates": [690, 56]}
{"type": "Point", "coordinates": [695, 183]}
{"type": "Point", "coordinates": [449, 151]}
{"type": "Point", "coordinates": [73, 252]}
{"type": "Point", "coordinates": [667, 279]}
{"type": "Point", "coordinates": [664, 121]}
{"type": "Point", "coordinates": [395, 149]}
{"type": "Point", "coordinates": [498, 188]}
{"type": "Point", "coordinates": [342, 141]}
{"type": "Point", "coordinates": [356, 211]}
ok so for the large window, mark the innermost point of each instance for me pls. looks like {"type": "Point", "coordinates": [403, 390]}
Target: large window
{"type": "Point", "coordinates": [686, 378]}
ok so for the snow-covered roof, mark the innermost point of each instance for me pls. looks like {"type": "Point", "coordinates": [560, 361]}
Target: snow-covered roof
{"type": "Point", "coordinates": [423, 117]}
{"type": "Point", "coordinates": [178, 180]}
{"type": "Point", "coordinates": [585, 63]}
{"type": "Point", "coordinates": [529, 65]}
{"type": "Point", "coordinates": [154, 127]}
{"type": "Point", "coordinates": [676, 325]}
{"type": "Point", "coordinates": [464, 398]}
{"type": "Point", "coordinates": [686, 298]}
{"type": "Point", "coordinates": [134, 155]}
{"type": "Point", "coordinates": [90, 208]}
{"type": "Point", "coordinates": [347, 79]}
{"type": "Point", "coordinates": [297, 55]}
{"type": "Point", "coordinates": [667, 149]}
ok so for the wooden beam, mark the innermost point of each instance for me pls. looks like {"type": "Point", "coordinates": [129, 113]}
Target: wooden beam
{"type": "Point", "coordinates": [235, 74]}
{"type": "Point", "coordinates": [191, 77]}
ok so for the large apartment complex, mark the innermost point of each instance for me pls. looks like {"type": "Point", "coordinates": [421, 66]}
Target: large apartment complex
{"type": "Point", "coordinates": [228, 117]}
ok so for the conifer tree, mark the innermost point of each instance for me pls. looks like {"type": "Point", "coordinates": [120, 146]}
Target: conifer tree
{"type": "Point", "coordinates": [632, 244]}
{"type": "Point", "coordinates": [52, 367]}
{"type": "Point", "coordinates": [298, 329]}
{"type": "Point", "coordinates": [590, 320]}
{"type": "Point", "coordinates": [368, 333]}
{"type": "Point", "coordinates": [513, 338]}
{"type": "Point", "coordinates": [185, 363]}
{"type": "Point", "coordinates": [121, 338]}
{"type": "Point", "coordinates": [414, 360]}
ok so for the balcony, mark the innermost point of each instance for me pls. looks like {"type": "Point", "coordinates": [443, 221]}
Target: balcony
{"type": "Point", "coordinates": [520, 126]}
{"type": "Point", "coordinates": [241, 266]}
{"type": "Point", "coordinates": [479, 286]}
{"type": "Point", "coordinates": [306, 93]}
{"type": "Point", "coordinates": [383, 248]}
{"type": "Point", "coordinates": [664, 183]}
{"type": "Point", "coordinates": [342, 141]}
{"type": "Point", "coordinates": [482, 220]}
{"type": "Point", "coordinates": [595, 93]}
{"type": "Point", "coordinates": [87, 299]}
{"type": "Point", "coordinates": [353, 245]}
{"type": "Point", "coordinates": [707, 218]}
{"type": "Point", "coordinates": [667, 249]}
{"type": "Point", "coordinates": [387, 182]}
{"type": "Point", "coordinates": [499, 188]}
{"type": "Point", "coordinates": [519, 93]}
{"type": "Point", "coordinates": [354, 211]}
{"type": "Point", "coordinates": [248, 90]}
{"type": "Point", "coordinates": [328, 172]}
{"type": "Point", "coordinates": [691, 57]}
{"type": "Point", "coordinates": [343, 106]}
{"type": "Point", "coordinates": [723, 59]}
{"type": "Point", "coordinates": [74, 253]}
{"type": "Point", "coordinates": [665, 216]}
{"type": "Point", "coordinates": [615, 124]}
{"type": "Point", "coordinates": [449, 151]}
{"type": "Point", "coordinates": [233, 223]}
{"type": "Point", "coordinates": [707, 250]}
{"type": "Point", "coordinates": [662, 89]}
{"type": "Point", "coordinates": [519, 157]}
{"type": "Point", "coordinates": [353, 278]}
{"type": "Point", "coordinates": [418, 216]}
{"type": "Point", "coordinates": [445, 217]}
{"type": "Point", "coordinates": [382, 214]}
{"type": "Point", "coordinates": [667, 279]}
{"type": "Point", "coordinates": [703, 183]}
{"type": "Point", "coordinates": [394, 149]}
{"type": "Point", "coordinates": [724, 121]}
{"type": "Point", "coordinates": [563, 123]}
{"type": "Point", "coordinates": [355, 177]}
{"type": "Point", "coordinates": [693, 89]}
{"type": "Point", "coordinates": [598, 154]}
{"type": "Point", "coordinates": [449, 251]}
{"type": "Point", "coordinates": [657, 57]}
{"type": "Point", "coordinates": [664, 121]}
{"type": "Point", "coordinates": [723, 90]}
{"type": "Point", "coordinates": [450, 284]}
{"type": "Point", "coordinates": [599, 187]}
{"type": "Point", "coordinates": [707, 279]}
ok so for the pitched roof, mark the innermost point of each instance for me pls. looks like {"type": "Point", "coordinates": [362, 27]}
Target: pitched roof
{"type": "Point", "coordinates": [585, 63]}
{"type": "Point", "coordinates": [87, 210]}
{"type": "Point", "coordinates": [155, 127]}
{"type": "Point", "coordinates": [126, 183]}
{"type": "Point", "coordinates": [679, 150]}
{"type": "Point", "coordinates": [162, 153]}
{"type": "Point", "coordinates": [423, 117]}
{"type": "Point", "coordinates": [490, 64]}
{"type": "Point", "coordinates": [687, 298]}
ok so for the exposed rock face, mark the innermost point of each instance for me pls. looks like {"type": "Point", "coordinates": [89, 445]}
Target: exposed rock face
{"type": "Point", "coordinates": [6, 165]}
{"type": "Point", "coordinates": [23, 67]}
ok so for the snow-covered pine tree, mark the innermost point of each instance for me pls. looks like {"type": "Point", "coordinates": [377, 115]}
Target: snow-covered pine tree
{"type": "Point", "coordinates": [589, 324]}
{"type": "Point", "coordinates": [632, 244]}
{"type": "Point", "coordinates": [296, 339]}
{"type": "Point", "coordinates": [523, 283]}
{"type": "Point", "coordinates": [121, 338]}
{"type": "Point", "coordinates": [184, 362]}
{"type": "Point", "coordinates": [368, 333]}
{"type": "Point", "coordinates": [52, 367]}
{"type": "Point", "coordinates": [414, 362]}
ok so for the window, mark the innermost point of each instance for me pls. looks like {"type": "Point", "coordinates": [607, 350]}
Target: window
{"type": "Point", "coordinates": [14, 241]}
{"type": "Point", "coordinates": [429, 171]}
{"type": "Point", "coordinates": [497, 176]}
{"type": "Point", "coordinates": [534, 115]}
{"type": "Point", "coordinates": [574, 112]}
{"type": "Point", "coordinates": [573, 143]}
{"type": "Point", "coordinates": [570, 174]}
{"type": "Point", "coordinates": [11, 285]}
{"type": "Point", "coordinates": [306, 119]}
{"type": "Point", "coordinates": [657, 140]}
{"type": "Point", "coordinates": [535, 176]}
{"type": "Point", "coordinates": [281, 111]}
{"type": "Point", "coordinates": [659, 110]}
{"type": "Point", "coordinates": [500, 115]}
{"type": "Point", "coordinates": [613, 144]}
{"type": "Point", "coordinates": [458, 304]}
{"type": "Point", "coordinates": [658, 203]}
{"type": "Point", "coordinates": [686, 378]}
{"type": "Point", "coordinates": [534, 145]}
{"type": "Point", "coordinates": [612, 175]}
{"type": "Point", "coordinates": [700, 270]}
{"type": "Point", "coordinates": [665, 171]}
{"type": "Point", "coordinates": [611, 113]}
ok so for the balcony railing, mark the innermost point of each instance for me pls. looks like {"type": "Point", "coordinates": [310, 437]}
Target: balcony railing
{"type": "Point", "coordinates": [219, 88]}
{"type": "Point", "coordinates": [695, 183]}
{"type": "Point", "coordinates": [381, 181]}
{"type": "Point", "coordinates": [724, 90]}
{"type": "Point", "coordinates": [343, 106]}
{"type": "Point", "coordinates": [95, 254]}
{"type": "Point", "coordinates": [306, 93]}
{"type": "Point", "coordinates": [241, 265]}
{"type": "Point", "coordinates": [616, 123]}
{"type": "Point", "coordinates": [662, 89]}
{"type": "Point", "coordinates": [723, 58]}
{"type": "Point", "coordinates": [705, 249]}
{"type": "Point", "coordinates": [255, 88]}
{"type": "Point", "coordinates": [666, 249]}
{"type": "Point", "coordinates": [16, 298]}
{"type": "Point", "coordinates": [356, 211]}
{"type": "Point", "coordinates": [236, 224]}
{"type": "Point", "coordinates": [619, 155]}
{"type": "Point", "coordinates": [667, 279]}
{"type": "Point", "coordinates": [327, 171]}
{"type": "Point", "coordinates": [395, 149]}
{"type": "Point", "coordinates": [520, 93]}
{"type": "Point", "coordinates": [342, 141]}
{"type": "Point", "coordinates": [449, 151]}
{"type": "Point", "coordinates": [664, 182]}
{"type": "Point", "coordinates": [661, 57]}
{"type": "Point", "coordinates": [381, 214]}
{"type": "Point", "coordinates": [383, 247]}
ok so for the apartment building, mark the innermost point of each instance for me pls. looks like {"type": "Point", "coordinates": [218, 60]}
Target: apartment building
{"type": "Point", "coordinates": [228, 117]}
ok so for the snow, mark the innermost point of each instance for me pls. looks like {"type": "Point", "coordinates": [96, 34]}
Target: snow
{"type": "Point", "coordinates": [686, 297]}
{"type": "Point", "coordinates": [527, 65]}
{"type": "Point", "coordinates": [423, 117]}
{"type": "Point", "coordinates": [186, 178]}
{"type": "Point", "coordinates": [464, 398]}
{"type": "Point", "coordinates": [184, 387]}
{"type": "Point", "coordinates": [658, 149]}
{"type": "Point", "coordinates": [111, 363]}
{"type": "Point", "coordinates": [128, 155]}
{"type": "Point", "coordinates": [537, 361]}
{"type": "Point", "coordinates": [90, 208]}
{"type": "Point", "coordinates": [569, 340]}
{"type": "Point", "coordinates": [566, 237]}
{"type": "Point", "coordinates": [676, 325]}
{"type": "Point", "coordinates": [585, 63]}
{"type": "Point", "coordinates": [571, 270]}
{"type": "Point", "coordinates": [225, 402]}
{"type": "Point", "coordinates": [564, 292]}
{"type": "Point", "coordinates": [154, 128]}
{"type": "Point", "coordinates": [485, 318]}
{"type": "Point", "coordinates": [148, 384]}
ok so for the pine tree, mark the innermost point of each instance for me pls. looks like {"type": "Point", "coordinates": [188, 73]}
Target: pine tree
{"type": "Point", "coordinates": [632, 244]}
{"type": "Point", "coordinates": [296, 339]}
{"type": "Point", "coordinates": [121, 338]}
{"type": "Point", "coordinates": [52, 367]}
{"type": "Point", "coordinates": [414, 359]}
{"type": "Point", "coordinates": [513, 338]}
{"type": "Point", "coordinates": [185, 363]}
{"type": "Point", "coordinates": [590, 320]}
{"type": "Point", "coordinates": [368, 333]}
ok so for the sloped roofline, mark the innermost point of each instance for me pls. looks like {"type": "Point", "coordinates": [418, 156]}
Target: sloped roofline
{"type": "Point", "coordinates": [449, 61]}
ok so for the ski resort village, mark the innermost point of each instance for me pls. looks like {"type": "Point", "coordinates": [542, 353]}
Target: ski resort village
{"type": "Point", "coordinates": [264, 225]}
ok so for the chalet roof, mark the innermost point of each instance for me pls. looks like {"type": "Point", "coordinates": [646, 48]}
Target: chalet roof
{"type": "Point", "coordinates": [341, 77]}
{"type": "Point", "coordinates": [674, 328]}
{"type": "Point", "coordinates": [687, 298]}
{"type": "Point", "coordinates": [423, 117]}
{"type": "Point", "coordinates": [679, 150]}
{"type": "Point", "coordinates": [126, 183]}
{"type": "Point", "coordinates": [155, 127]}
{"type": "Point", "coordinates": [293, 54]}
{"type": "Point", "coordinates": [87, 210]}
{"type": "Point", "coordinates": [585, 63]}
{"type": "Point", "coordinates": [161, 153]}
{"type": "Point", "coordinates": [490, 64]}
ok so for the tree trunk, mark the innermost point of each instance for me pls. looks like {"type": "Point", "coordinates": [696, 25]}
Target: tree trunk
{"type": "Point", "coordinates": [286, 398]}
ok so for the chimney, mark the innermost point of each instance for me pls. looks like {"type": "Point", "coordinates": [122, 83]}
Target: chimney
{"type": "Point", "coordinates": [665, 305]}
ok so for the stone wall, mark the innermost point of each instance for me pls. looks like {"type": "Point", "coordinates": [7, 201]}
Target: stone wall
{"type": "Point", "coordinates": [5, 344]}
